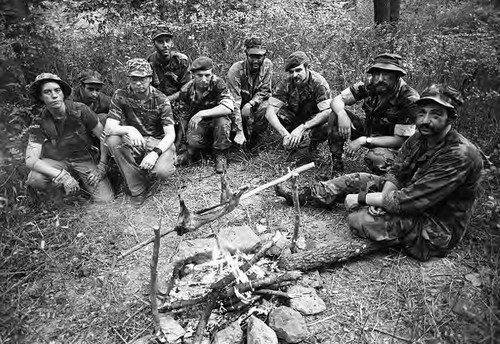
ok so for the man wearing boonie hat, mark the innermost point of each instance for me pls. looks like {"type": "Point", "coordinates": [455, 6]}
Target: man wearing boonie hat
{"type": "Point", "coordinates": [89, 93]}
{"type": "Point", "coordinates": [249, 82]}
{"type": "Point", "coordinates": [389, 106]}
{"type": "Point", "coordinates": [140, 126]}
{"type": "Point", "coordinates": [424, 201]}
{"type": "Point", "coordinates": [60, 152]}
{"type": "Point", "coordinates": [209, 106]}
{"type": "Point", "coordinates": [299, 107]}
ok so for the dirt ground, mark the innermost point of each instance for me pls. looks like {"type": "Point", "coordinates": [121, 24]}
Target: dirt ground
{"type": "Point", "coordinates": [69, 291]}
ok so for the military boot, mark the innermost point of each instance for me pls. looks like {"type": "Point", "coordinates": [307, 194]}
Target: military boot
{"type": "Point", "coordinates": [220, 161]}
{"type": "Point", "coordinates": [285, 191]}
{"type": "Point", "coordinates": [337, 165]}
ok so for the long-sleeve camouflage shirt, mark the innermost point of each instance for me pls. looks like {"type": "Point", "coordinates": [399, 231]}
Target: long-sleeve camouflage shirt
{"type": "Point", "coordinates": [100, 105]}
{"type": "Point", "coordinates": [248, 88]}
{"type": "Point", "coordinates": [316, 90]}
{"type": "Point", "coordinates": [216, 94]}
{"type": "Point", "coordinates": [386, 115]}
{"type": "Point", "coordinates": [149, 116]}
{"type": "Point", "coordinates": [169, 76]}
{"type": "Point", "coordinates": [438, 182]}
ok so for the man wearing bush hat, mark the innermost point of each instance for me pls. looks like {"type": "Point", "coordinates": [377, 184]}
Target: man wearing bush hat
{"type": "Point", "coordinates": [60, 151]}
{"type": "Point", "coordinates": [299, 107]}
{"type": "Point", "coordinates": [424, 201]}
{"type": "Point", "coordinates": [209, 106]}
{"type": "Point", "coordinates": [249, 82]}
{"type": "Point", "coordinates": [140, 126]}
{"type": "Point", "coordinates": [89, 92]}
{"type": "Point", "coordinates": [389, 106]}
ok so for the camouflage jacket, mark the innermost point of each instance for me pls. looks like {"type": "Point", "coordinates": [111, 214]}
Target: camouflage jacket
{"type": "Point", "coordinates": [437, 182]}
{"type": "Point", "coordinates": [216, 94]}
{"type": "Point", "coordinates": [100, 105]}
{"type": "Point", "coordinates": [149, 116]}
{"type": "Point", "coordinates": [245, 87]}
{"type": "Point", "coordinates": [67, 139]}
{"type": "Point", "coordinates": [388, 115]}
{"type": "Point", "coordinates": [316, 90]}
{"type": "Point", "coordinates": [169, 76]}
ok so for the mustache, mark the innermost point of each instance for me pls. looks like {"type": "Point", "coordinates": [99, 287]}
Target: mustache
{"type": "Point", "coordinates": [381, 83]}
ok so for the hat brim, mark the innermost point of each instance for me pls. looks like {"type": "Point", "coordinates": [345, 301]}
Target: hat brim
{"type": "Point", "coordinates": [386, 66]}
{"type": "Point", "coordinates": [256, 51]}
{"type": "Point", "coordinates": [92, 81]}
{"type": "Point", "coordinates": [162, 34]}
{"type": "Point", "coordinates": [139, 74]}
{"type": "Point", "coordinates": [35, 87]}
{"type": "Point", "coordinates": [437, 100]}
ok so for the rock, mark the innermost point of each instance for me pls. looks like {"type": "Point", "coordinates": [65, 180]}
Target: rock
{"type": "Point", "coordinates": [259, 333]}
{"type": "Point", "coordinates": [313, 279]}
{"type": "Point", "coordinates": [288, 324]}
{"type": "Point", "coordinates": [149, 339]}
{"type": "Point", "coordinates": [230, 335]}
{"type": "Point", "coordinates": [277, 249]}
{"type": "Point", "coordinates": [171, 328]}
{"type": "Point", "coordinates": [306, 300]}
{"type": "Point", "coordinates": [195, 251]}
{"type": "Point", "coordinates": [239, 238]}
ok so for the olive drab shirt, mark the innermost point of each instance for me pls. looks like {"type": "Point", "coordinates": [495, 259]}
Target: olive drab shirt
{"type": "Point", "coordinates": [439, 182]}
{"type": "Point", "coordinates": [315, 90]}
{"type": "Point", "coordinates": [100, 105]}
{"type": "Point", "coordinates": [169, 76]}
{"type": "Point", "coordinates": [386, 115]}
{"type": "Point", "coordinates": [216, 94]}
{"type": "Point", "coordinates": [246, 87]}
{"type": "Point", "coordinates": [68, 138]}
{"type": "Point", "coordinates": [149, 116]}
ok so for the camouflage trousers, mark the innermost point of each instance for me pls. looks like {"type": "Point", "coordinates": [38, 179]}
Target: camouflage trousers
{"type": "Point", "coordinates": [311, 136]}
{"type": "Point", "coordinates": [256, 123]}
{"type": "Point", "coordinates": [378, 159]}
{"type": "Point", "coordinates": [421, 235]}
{"type": "Point", "coordinates": [210, 133]}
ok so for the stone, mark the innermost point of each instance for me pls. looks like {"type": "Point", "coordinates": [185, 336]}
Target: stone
{"type": "Point", "coordinates": [259, 333]}
{"type": "Point", "coordinates": [230, 335]}
{"type": "Point", "coordinates": [288, 324]}
{"type": "Point", "coordinates": [277, 249]}
{"type": "Point", "coordinates": [306, 300]}
{"type": "Point", "coordinates": [171, 328]}
{"type": "Point", "coordinates": [239, 238]}
{"type": "Point", "coordinates": [195, 251]}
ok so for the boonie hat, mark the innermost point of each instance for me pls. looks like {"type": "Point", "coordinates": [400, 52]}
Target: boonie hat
{"type": "Point", "coordinates": [254, 45]}
{"type": "Point", "coordinates": [34, 87]}
{"type": "Point", "coordinates": [90, 77]}
{"type": "Point", "coordinates": [296, 59]}
{"type": "Point", "coordinates": [392, 62]}
{"type": "Point", "coordinates": [139, 67]}
{"type": "Point", "coordinates": [201, 63]}
{"type": "Point", "coordinates": [444, 95]}
{"type": "Point", "coordinates": [161, 30]}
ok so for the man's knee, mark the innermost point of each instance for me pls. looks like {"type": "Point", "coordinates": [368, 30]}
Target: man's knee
{"type": "Point", "coordinates": [38, 180]}
{"type": "Point", "coordinates": [380, 159]}
{"type": "Point", "coordinates": [114, 142]}
{"type": "Point", "coordinates": [164, 168]}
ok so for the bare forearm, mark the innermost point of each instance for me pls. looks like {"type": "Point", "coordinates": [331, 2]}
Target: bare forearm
{"type": "Point", "coordinates": [174, 96]}
{"type": "Point", "coordinates": [168, 139]}
{"type": "Point", "coordinates": [387, 141]}
{"type": "Point", "coordinates": [273, 120]}
{"type": "Point", "coordinates": [318, 119]}
{"type": "Point", "coordinates": [218, 111]}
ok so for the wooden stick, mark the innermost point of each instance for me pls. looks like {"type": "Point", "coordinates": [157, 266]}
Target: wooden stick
{"type": "Point", "coordinates": [142, 244]}
{"type": "Point", "coordinates": [200, 329]}
{"type": "Point", "coordinates": [264, 282]}
{"type": "Point", "coordinates": [273, 293]}
{"type": "Point", "coordinates": [153, 284]}
{"type": "Point", "coordinates": [296, 206]}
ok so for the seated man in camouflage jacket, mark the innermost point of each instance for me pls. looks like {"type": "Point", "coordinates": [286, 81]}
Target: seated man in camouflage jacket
{"type": "Point", "coordinates": [425, 199]}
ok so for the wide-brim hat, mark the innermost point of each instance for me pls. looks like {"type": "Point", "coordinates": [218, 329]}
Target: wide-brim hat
{"type": "Point", "coordinates": [34, 88]}
{"type": "Point", "coordinates": [391, 62]}
{"type": "Point", "coordinates": [443, 95]}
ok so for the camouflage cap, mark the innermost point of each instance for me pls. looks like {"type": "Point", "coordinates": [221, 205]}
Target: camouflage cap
{"type": "Point", "coordinates": [386, 61]}
{"type": "Point", "coordinates": [255, 46]}
{"type": "Point", "coordinates": [161, 30]}
{"type": "Point", "coordinates": [89, 76]}
{"type": "Point", "coordinates": [34, 87]}
{"type": "Point", "coordinates": [202, 63]}
{"type": "Point", "coordinates": [139, 67]}
{"type": "Point", "coordinates": [296, 59]}
{"type": "Point", "coordinates": [444, 95]}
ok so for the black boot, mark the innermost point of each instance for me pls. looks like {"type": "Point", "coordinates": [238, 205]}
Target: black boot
{"type": "Point", "coordinates": [337, 165]}
{"type": "Point", "coordinates": [285, 191]}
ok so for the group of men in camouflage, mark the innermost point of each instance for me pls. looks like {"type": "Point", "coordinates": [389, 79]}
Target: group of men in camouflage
{"type": "Point", "coordinates": [423, 182]}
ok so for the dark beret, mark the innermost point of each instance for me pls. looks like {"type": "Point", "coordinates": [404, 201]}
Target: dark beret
{"type": "Point", "coordinates": [295, 59]}
{"type": "Point", "coordinates": [202, 63]}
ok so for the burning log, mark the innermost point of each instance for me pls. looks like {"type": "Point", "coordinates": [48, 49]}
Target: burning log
{"type": "Point", "coordinates": [296, 206]}
{"type": "Point", "coordinates": [328, 254]}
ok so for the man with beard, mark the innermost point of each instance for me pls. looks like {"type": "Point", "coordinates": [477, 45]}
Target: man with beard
{"type": "Point", "coordinates": [424, 201]}
{"type": "Point", "coordinates": [170, 72]}
{"type": "Point", "coordinates": [249, 82]}
{"type": "Point", "coordinates": [89, 92]}
{"type": "Point", "coordinates": [141, 131]}
{"type": "Point", "coordinates": [59, 151]}
{"type": "Point", "coordinates": [389, 105]}
{"type": "Point", "coordinates": [299, 107]}
{"type": "Point", "coordinates": [209, 105]}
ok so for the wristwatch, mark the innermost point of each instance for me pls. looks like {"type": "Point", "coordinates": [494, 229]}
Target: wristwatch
{"type": "Point", "coordinates": [368, 141]}
{"type": "Point", "coordinates": [158, 151]}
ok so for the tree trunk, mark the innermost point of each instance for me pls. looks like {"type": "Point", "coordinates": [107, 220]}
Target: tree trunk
{"type": "Point", "coordinates": [386, 11]}
{"type": "Point", "coordinates": [325, 255]}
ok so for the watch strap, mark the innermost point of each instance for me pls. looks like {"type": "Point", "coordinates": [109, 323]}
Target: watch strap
{"type": "Point", "coordinates": [158, 151]}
